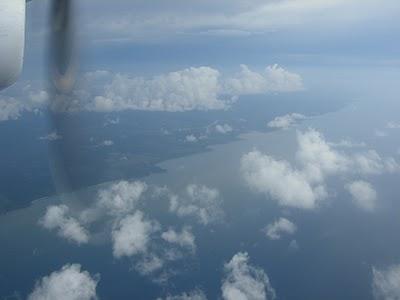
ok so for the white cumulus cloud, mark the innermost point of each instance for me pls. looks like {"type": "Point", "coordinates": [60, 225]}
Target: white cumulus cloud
{"type": "Point", "coordinates": [69, 283]}
{"type": "Point", "coordinates": [53, 136]}
{"type": "Point", "coordinates": [223, 128]}
{"type": "Point", "coordinates": [121, 197]}
{"type": "Point", "coordinates": [363, 194]}
{"type": "Point", "coordinates": [304, 186]}
{"type": "Point", "coordinates": [282, 226]}
{"type": "Point", "coordinates": [243, 281]}
{"type": "Point", "coordinates": [386, 283]}
{"type": "Point", "coordinates": [273, 79]}
{"type": "Point", "coordinates": [191, 138]}
{"type": "Point", "coordinates": [10, 108]}
{"type": "Point", "coordinates": [188, 89]}
{"type": "Point", "coordinates": [276, 178]}
{"type": "Point", "coordinates": [198, 201]}
{"type": "Point", "coordinates": [185, 238]}
{"type": "Point", "coordinates": [196, 294]}
{"type": "Point", "coordinates": [56, 218]}
{"type": "Point", "coordinates": [286, 121]}
{"type": "Point", "coordinates": [132, 235]}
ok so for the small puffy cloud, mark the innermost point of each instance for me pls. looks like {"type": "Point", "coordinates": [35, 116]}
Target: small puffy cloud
{"type": "Point", "coordinates": [38, 98]}
{"type": "Point", "coordinates": [346, 143]}
{"type": "Point", "coordinates": [121, 197]}
{"type": "Point", "coordinates": [282, 226]}
{"type": "Point", "coordinates": [318, 157]}
{"type": "Point", "coordinates": [107, 143]}
{"type": "Point", "coordinates": [185, 238]}
{"type": "Point", "coordinates": [392, 125]}
{"type": "Point", "coordinates": [380, 133]}
{"type": "Point", "coordinates": [69, 283]}
{"type": "Point", "coordinates": [386, 283]}
{"type": "Point", "coordinates": [294, 245]}
{"type": "Point", "coordinates": [10, 109]}
{"type": "Point", "coordinates": [193, 295]}
{"type": "Point", "coordinates": [56, 218]}
{"type": "Point", "coordinates": [131, 235]}
{"type": "Point", "coordinates": [53, 136]}
{"type": "Point", "coordinates": [26, 100]}
{"type": "Point", "coordinates": [149, 264]}
{"type": "Point", "coordinates": [286, 121]}
{"type": "Point", "coordinates": [288, 186]}
{"type": "Point", "coordinates": [191, 138]}
{"type": "Point", "coordinates": [273, 79]}
{"type": "Point", "coordinates": [198, 201]}
{"type": "Point", "coordinates": [110, 121]}
{"type": "Point", "coordinates": [223, 129]}
{"type": "Point", "coordinates": [370, 163]}
{"type": "Point", "coordinates": [281, 80]}
{"type": "Point", "coordinates": [244, 281]}
{"type": "Point", "coordinates": [363, 194]}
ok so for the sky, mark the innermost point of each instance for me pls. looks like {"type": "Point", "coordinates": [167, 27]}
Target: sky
{"type": "Point", "coordinates": [220, 40]}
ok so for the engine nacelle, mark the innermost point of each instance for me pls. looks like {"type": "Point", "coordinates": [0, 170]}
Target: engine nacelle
{"type": "Point", "coordinates": [12, 40]}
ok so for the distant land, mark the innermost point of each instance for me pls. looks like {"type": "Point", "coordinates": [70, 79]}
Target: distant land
{"type": "Point", "coordinates": [100, 147]}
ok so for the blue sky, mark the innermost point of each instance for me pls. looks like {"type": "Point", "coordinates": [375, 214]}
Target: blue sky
{"type": "Point", "coordinates": [140, 40]}
{"type": "Point", "coordinates": [170, 34]}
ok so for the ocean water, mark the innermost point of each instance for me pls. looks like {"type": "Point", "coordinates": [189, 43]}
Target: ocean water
{"type": "Point", "coordinates": [337, 243]}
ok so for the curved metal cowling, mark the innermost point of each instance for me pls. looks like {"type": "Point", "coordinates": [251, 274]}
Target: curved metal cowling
{"type": "Point", "coordinates": [12, 40]}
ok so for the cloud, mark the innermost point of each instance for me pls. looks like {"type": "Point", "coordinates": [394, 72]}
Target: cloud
{"type": "Point", "coordinates": [392, 125]}
{"type": "Point", "coordinates": [131, 235]}
{"type": "Point", "coordinates": [53, 136]}
{"type": "Point", "coordinates": [320, 159]}
{"type": "Point", "coordinates": [23, 99]}
{"type": "Point", "coordinates": [10, 109]}
{"type": "Point", "coordinates": [69, 283]}
{"type": "Point", "coordinates": [282, 226]}
{"type": "Point", "coordinates": [107, 143]}
{"type": "Point", "coordinates": [188, 89]}
{"type": "Point", "coordinates": [289, 187]}
{"type": "Point", "coordinates": [110, 121]}
{"type": "Point", "coordinates": [198, 201]}
{"type": "Point", "coordinates": [118, 212]}
{"type": "Point", "coordinates": [149, 264]}
{"type": "Point", "coordinates": [185, 238]}
{"type": "Point", "coordinates": [223, 129]}
{"type": "Point", "coordinates": [386, 283]}
{"type": "Point", "coordinates": [304, 186]}
{"type": "Point", "coordinates": [317, 157]}
{"type": "Point", "coordinates": [126, 22]}
{"type": "Point", "coordinates": [363, 194]}
{"type": "Point", "coordinates": [286, 121]}
{"type": "Point", "coordinates": [273, 79]}
{"type": "Point", "coordinates": [370, 163]}
{"type": "Point", "coordinates": [193, 295]}
{"type": "Point", "coordinates": [380, 133]}
{"type": "Point", "coordinates": [56, 218]}
{"type": "Point", "coordinates": [243, 281]}
{"type": "Point", "coordinates": [294, 245]}
{"type": "Point", "coordinates": [191, 138]}
{"type": "Point", "coordinates": [122, 197]}
{"type": "Point", "coordinates": [195, 88]}
{"type": "Point", "coordinates": [345, 143]}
